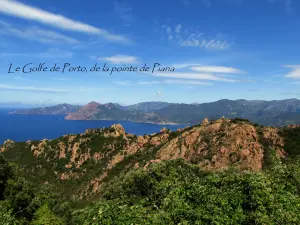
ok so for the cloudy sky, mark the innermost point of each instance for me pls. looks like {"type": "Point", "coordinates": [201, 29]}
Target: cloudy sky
{"type": "Point", "coordinates": [234, 49]}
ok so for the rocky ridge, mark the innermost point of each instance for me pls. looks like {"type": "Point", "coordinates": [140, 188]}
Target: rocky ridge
{"type": "Point", "coordinates": [98, 155]}
{"type": "Point", "coordinates": [85, 112]}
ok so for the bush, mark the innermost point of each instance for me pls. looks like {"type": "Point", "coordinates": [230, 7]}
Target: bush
{"type": "Point", "coordinates": [44, 216]}
{"type": "Point", "coordinates": [177, 193]}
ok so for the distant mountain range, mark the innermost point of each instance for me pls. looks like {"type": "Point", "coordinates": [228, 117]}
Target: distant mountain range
{"type": "Point", "coordinates": [50, 110]}
{"type": "Point", "coordinates": [112, 111]}
{"type": "Point", "coordinates": [147, 106]}
{"type": "Point", "coordinates": [275, 113]}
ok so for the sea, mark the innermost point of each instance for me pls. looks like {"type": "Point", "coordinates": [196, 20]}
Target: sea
{"type": "Point", "coordinates": [37, 127]}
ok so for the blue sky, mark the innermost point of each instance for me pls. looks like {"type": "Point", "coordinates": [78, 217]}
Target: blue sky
{"type": "Point", "coordinates": [234, 49]}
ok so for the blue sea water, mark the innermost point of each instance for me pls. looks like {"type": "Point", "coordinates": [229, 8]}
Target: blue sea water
{"type": "Point", "coordinates": [38, 127]}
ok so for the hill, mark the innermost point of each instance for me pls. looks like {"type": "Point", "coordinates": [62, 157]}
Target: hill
{"type": "Point", "coordinates": [51, 110]}
{"type": "Point", "coordinates": [269, 113]}
{"type": "Point", "coordinates": [147, 106]}
{"type": "Point", "coordinates": [98, 155]}
{"type": "Point", "coordinates": [111, 111]}
{"type": "Point", "coordinates": [262, 112]}
{"type": "Point", "coordinates": [244, 171]}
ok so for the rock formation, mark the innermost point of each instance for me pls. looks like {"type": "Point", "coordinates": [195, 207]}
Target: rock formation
{"type": "Point", "coordinates": [215, 145]}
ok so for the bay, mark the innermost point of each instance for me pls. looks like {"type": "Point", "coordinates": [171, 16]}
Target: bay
{"type": "Point", "coordinates": [38, 127]}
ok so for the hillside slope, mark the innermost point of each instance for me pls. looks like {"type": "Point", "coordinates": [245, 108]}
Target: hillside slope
{"type": "Point", "coordinates": [50, 110]}
{"type": "Point", "coordinates": [243, 172]}
{"type": "Point", "coordinates": [146, 106]}
{"type": "Point", "coordinates": [275, 113]}
{"type": "Point", "coordinates": [97, 156]}
{"type": "Point", "coordinates": [111, 111]}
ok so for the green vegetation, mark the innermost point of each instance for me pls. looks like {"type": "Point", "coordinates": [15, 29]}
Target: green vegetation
{"type": "Point", "coordinates": [241, 120]}
{"type": "Point", "coordinates": [44, 216]}
{"type": "Point", "coordinates": [292, 140]}
{"type": "Point", "coordinates": [173, 192]}
{"type": "Point", "coordinates": [22, 203]}
{"type": "Point", "coordinates": [168, 192]}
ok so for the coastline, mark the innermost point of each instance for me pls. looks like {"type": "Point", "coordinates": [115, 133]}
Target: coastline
{"type": "Point", "coordinates": [132, 121]}
{"type": "Point", "coordinates": [108, 119]}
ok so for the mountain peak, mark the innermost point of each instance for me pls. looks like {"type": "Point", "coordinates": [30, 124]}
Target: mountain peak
{"type": "Point", "coordinates": [93, 103]}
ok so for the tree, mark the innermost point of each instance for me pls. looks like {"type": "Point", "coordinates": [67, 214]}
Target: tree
{"type": "Point", "coordinates": [44, 216]}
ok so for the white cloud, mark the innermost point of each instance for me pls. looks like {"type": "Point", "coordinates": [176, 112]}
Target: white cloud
{"type": "Point", "coordinates": [184, 65]}
{"type": "Point", "coordinates": [194, 71]}
{"type": "Point", "coordinates": [120, 59]}
{"type": "Point", "coordinates": [36, 34]}
{"type": "Point", "coordinates": [186, 82]}
{"type": "Point", "coordinates": [169, 81]}
{"type": "Point", "coordinates": [23, 11]}
{"type": "Point", "coordinates": [195, 76]}
{"type": "Point", "coordinates": [6, 87]}
{"type": "Point", "coordinates": [208, 44]}
{"type": "Point", "coordinates": [50, 53]}
{"type": "Point", "coordinates": [178, 28]}
{"type": "Point", "coordinates": [295, 73]}
{"type": "Point", "coordinates": [48, 35]}
{"type": "Point", "coordinates": [216, 69]}
{"type": "Point", "coordinates": [194, 38]}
